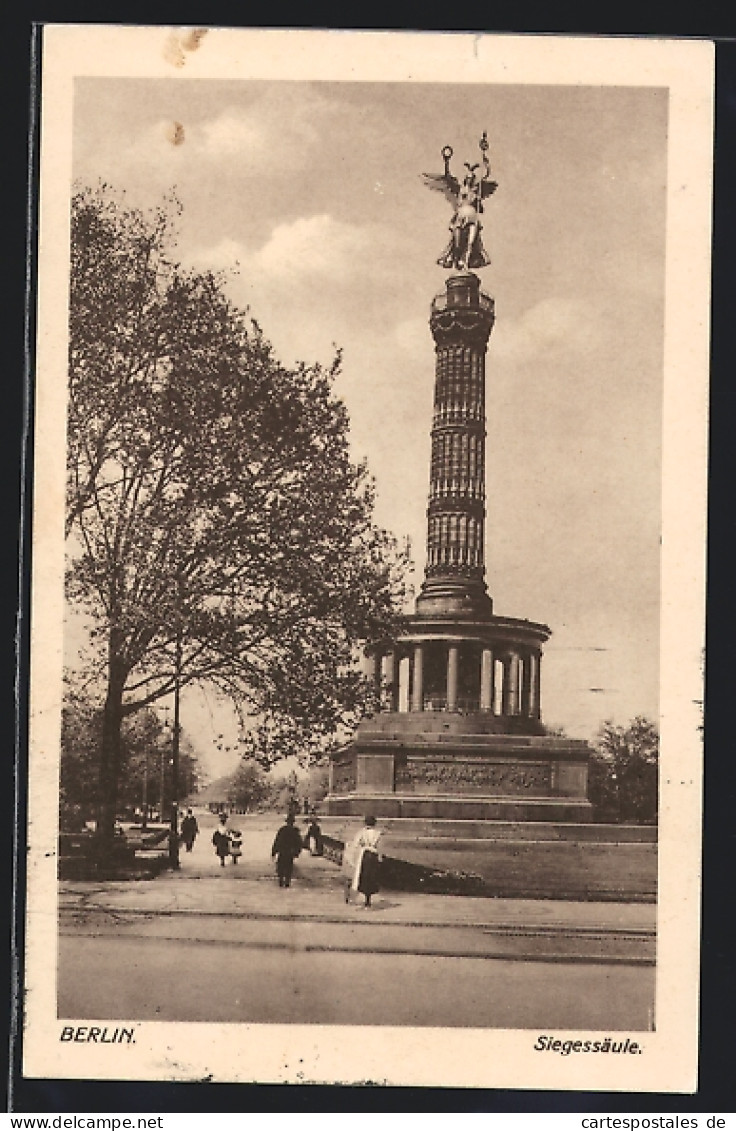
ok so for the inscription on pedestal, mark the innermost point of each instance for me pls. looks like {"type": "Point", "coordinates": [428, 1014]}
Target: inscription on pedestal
{"type": "Point", "coordinates": [473, 777]}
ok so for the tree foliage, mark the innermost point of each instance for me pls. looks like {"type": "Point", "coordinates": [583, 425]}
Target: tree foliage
{"type": "Point", "coordinates": [81, 733]}
{"type": "Point", "coordinates": [624, 772]}
{"type": "Point", "coordinates": [218, 528]}
{"type": "Point", "coordinates": [317, 784]}
{"type": "Point", "coordinates": [248, 787]}
{"type": "Point", "coordinates": [145, 760]}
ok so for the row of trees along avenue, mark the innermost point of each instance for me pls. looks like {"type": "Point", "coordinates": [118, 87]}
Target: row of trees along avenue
{"type": "Point", "coordinates": [146, 771]}
{"type": "Point", "coordinates": [624, 772]}
{"type": "Point", "coordinates": [218, 530]}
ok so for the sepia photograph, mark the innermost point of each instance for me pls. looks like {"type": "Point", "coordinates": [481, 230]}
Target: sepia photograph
{"type": "Point", "coordinates": [368, 586]}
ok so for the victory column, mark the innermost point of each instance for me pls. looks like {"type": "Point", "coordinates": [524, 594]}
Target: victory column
{"type": "Point", "coordinates": [458, 732]}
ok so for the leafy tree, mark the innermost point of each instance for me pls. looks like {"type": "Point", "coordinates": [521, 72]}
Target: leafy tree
{"type": "Point", "coordinates": [218, 529]}
{"type": "Point", "coordinates": [624, 772]}
{"type": "Point", "coordinates": [249, 786]}
{"type": "Point", "coordinates": [81, 730]}
{"type": "Point", "coordinates": [145, 745]}
{"type": "Point", "coordinates": [317, 784]}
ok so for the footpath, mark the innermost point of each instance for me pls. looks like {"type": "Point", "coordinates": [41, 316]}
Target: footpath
{"type": "Point", "coordinates": [247, 892]}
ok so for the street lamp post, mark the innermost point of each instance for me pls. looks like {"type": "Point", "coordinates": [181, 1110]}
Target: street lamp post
{"type": "Point", "coordinates": [144, 822]}
{"type": "Point", "coordinates": [174, 831]}
{"type": "Point", "coordinates": [163, 783]}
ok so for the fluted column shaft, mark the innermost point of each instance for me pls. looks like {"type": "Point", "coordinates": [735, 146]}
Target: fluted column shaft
{"type": "Point", "coordinates": [526, 686]}
{"type": "Point", "coordinates": [486, 680]}
{"type": "Point", "coordinates": [536, 695]}
{"type": "Point", "coordinates": [391, 681]}
{"type": "Point", "coordinates": [510, 684]}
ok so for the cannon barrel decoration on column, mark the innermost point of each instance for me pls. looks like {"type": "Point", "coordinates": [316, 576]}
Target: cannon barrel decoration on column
{"type": "Point", "coordinates": [467, 741]}
{"type": "Point", "coordinates": [461, 322]}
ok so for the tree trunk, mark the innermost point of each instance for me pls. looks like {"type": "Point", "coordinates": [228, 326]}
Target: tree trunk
{"type": "Point", "coordinates": [110, 755]}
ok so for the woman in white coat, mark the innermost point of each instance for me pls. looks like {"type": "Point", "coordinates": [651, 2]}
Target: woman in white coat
{"type": "Point", "coordinates": [363, 859]}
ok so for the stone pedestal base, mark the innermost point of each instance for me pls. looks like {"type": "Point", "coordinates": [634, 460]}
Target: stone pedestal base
{"type": "Point", "coordinates": [438, 765]}
{"type": "Point", "coordinates": [457, 808]}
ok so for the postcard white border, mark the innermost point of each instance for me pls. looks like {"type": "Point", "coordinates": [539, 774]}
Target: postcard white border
{"type": "Point", "coordinates": [470, 1058]}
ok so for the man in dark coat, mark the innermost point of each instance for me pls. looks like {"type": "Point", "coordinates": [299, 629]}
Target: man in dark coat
{"type": "Point", "coordinates": [286, 847]}
{"type": "Point", "coordinates": [189, 830]}
{"type": "Point", "coordinates": [313, 838]}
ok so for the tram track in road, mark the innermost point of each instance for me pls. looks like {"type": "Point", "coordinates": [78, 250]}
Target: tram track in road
{"type": "Point", "coordinates": [322, 934]}
{"type": "Point", "coordinates": [296, 980]}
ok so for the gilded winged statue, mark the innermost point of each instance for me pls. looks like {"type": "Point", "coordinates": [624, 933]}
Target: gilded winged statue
{"type": "Point", "coordinates": [465, 250]}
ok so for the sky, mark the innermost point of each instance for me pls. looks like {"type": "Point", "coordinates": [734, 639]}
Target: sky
{"type": "Point", "coordinates": [309, 195]}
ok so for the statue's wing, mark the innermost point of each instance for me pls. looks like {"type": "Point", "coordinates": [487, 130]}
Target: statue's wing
{"type": "Point", "coordinates": [487, 188]}
{"type": "Point", "coordinates": [448, 185]}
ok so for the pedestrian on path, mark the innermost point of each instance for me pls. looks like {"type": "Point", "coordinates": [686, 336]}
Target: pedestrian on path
{"type": "Point", "coordinates": [221, 840]}
{"type": "Point", "coordinates": [189, 830]}
{"type": "Point", "coordinates": [286, 847]}
{"type": "Point", "coordinates": [313, 838]}
{"type": "Point", "coordinates": [236, 844]}
{"type": "Point", "coordinates": [349, 855]}
{"type": "Point", "coordinates": [367, 861]}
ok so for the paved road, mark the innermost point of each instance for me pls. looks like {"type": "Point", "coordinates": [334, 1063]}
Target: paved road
{"type": "Point", "coordinates": [226, 944]}
{"type": "Point", "coordinates": [148, 978]}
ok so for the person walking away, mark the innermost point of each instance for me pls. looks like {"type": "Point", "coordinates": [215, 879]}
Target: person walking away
{"type": "Point", "coordinates": [189, 830]}
{"type": "Point", "coordinates": [236, 844]}
{"type": "Point", "coordinates": [286, 847]}
{"type": "Point", "coordinates": [367, 860]}
{"type": "Point", "coordinates": [221, 840]}
{"type": "Point", "coordinates": [313, 837]}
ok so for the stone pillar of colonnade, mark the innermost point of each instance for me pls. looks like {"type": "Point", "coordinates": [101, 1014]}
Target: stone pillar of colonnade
{"type": "Point", "coordinates": [536, 695]}
{"type": "Point", "coordinates": [417, 681]}
{"type": "Point", "coordinates": [376, 659]}
{"type": "Point", "coordinates": [510, 703]}
{"type": "Point", "coordinates": [486, 680]}
{"type": "Point", "coordinates": [390, 681]}
{"type": "Point", "coordinates": [526, 685]}
{"type": "Point", "coordinates": [403, 684]}
{"type": "Point", "coordinates": [452, 676]}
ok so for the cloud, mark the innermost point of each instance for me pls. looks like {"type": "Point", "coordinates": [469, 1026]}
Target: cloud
{"type": "Point", "coordinates": [275, 132]}
{"type": "Point", "coordinates": [161, 141]}
{"type": "Point", "coordinates": [227, 255]}
{"type": "Point", "coordinates": [231, 134]}
{"type": "Point", "coordinates": [555, 324]}
{"type": "Point", "coordinates": [298, 265]}
{"type": "Point", "coordinates": [302, 252]}
{"type": "Point", "coordinates": [413, 336]}
{"type": "Point", "coordinates": [167, 145]}
{"type": "Point", "coordinates": [313, 247]}
{"type": "Point", "coordinates": [272, 133]}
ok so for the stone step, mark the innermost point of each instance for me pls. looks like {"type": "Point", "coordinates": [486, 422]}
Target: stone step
{"type": "Point", "coordinates": [414, 827]}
